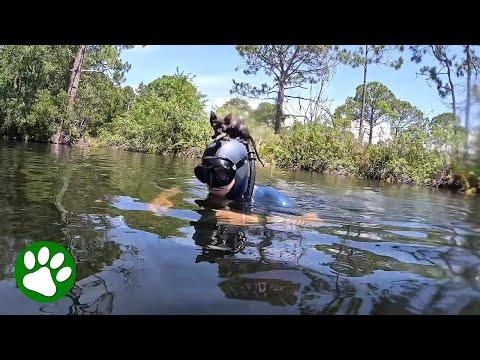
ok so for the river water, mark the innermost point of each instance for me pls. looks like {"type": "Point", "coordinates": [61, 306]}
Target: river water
{"type": "Point", "coordinates": [380, 249]}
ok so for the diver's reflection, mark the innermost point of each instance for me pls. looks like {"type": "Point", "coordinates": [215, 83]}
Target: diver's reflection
{"type": "Point", "coordinates": [275, 291]}
{"type": "Point", "coordinates": [245, 279]}
{"type": "Point", "coordinates": [101, 305]}
{"type": "Point", "coordinates": [216, 240]}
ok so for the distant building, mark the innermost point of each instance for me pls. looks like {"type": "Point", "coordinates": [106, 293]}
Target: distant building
{"type": "Point", "coordinates": [380, 132]}
{"type": "Point", "coordinates": [474, 142]}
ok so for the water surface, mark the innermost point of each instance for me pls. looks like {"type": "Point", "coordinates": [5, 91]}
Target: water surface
{"type": "Point", "coordinates": [381, 249]}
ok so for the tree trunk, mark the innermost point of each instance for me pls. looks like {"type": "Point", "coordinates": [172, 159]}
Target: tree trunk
{"type": "Point", "coordinates": [454, 109]}
{"type": "Point", "coordinates": [76, 73]}
{"type": "Point", "coordinates": [60, 137]}
{"type": "Point", "coordinates": [467, 115]}
{"type": "Point", "coordinates": [364, 95]}
{"type": "Point", "coordinates": [370, 135]}
{"type": "Point", "coordinates": [279, 106]}
{"type": "Point", "coordinates": [452, 90]}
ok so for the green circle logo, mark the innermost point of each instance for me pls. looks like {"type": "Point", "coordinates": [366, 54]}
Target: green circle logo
{"type": "Point", "coordinates": [45, 271]}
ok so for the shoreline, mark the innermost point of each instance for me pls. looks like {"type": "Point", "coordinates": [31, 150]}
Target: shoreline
{"type": "Point", "coordinates": [450, 182]}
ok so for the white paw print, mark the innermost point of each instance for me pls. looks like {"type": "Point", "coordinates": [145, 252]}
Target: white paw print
{"type": "Point", "coordinates": [41, 281]}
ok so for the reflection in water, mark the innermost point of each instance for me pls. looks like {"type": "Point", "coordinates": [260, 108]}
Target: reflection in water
{"type": "Point", "coordinates": [275, 291]}
{"type": "Point", "coordinates": [219, 243]}
{"type": "Point", "coordinates": [101, 305]}
{"type": "Point", "coordinates": [380, 250]}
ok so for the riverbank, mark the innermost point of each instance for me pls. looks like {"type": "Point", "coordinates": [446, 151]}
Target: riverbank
{"type": "Point", "coordinates": [459, 181]}
{"type": "Point", "coordinates": [448, 180]}
{"type": "Point", "coordinates": [410, 158]}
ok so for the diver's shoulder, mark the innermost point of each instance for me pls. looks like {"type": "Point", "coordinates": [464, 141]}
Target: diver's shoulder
{"type": "Point", "coordinates": [267, 195]}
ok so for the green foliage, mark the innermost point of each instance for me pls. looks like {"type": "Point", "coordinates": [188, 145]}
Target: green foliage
{"type": "Point", "coordinates": [312, 63]}
{"type": "Point", "coordinates": [167, 119]}
{"type": "Point", "coordinates": [371, 54]}
{"type": "Point", "coordinates": [403, 116]}
{"type": "Point", "coordinates": [446, 134]}
{"type": "Point", "coordinates": [264, 114]}
{"type": "Point", "coordinates": [34, 80]}
{"type": "Point", "coordinates": [29, 77]}
{"type": "Point", "coordinates": [98, 102]}
{"type": "Point", "coordinates": [105, 59]}
{"type": "Point", "coordinates": [289, 67]}
{"type": "Point", "coordinates": [380, 106]}
{"type": "Point", "coordinates": [46, 112]}
{"type": "Point", "coordinates": [237, 107]}
{"type": "Point", "coordinates": [442, 76]}
{"type": "Point", "coordinates": [405, 159]}
{"type": "Point", "coordinates": [236, 104]}
{"type": "Point", "coordinates": [344, 115]}
{"type": "Point", "coordinates": [469, 171]}
{"type": "Point", "coordinates": [318, 147]}
{"type": "Point", "coordinates": [100, 97]}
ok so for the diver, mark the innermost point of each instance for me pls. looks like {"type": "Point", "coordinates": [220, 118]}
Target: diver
{"type": "Point", "coordinates": [228, 168]}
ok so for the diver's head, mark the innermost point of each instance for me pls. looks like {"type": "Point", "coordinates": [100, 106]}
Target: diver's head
{"type": "Point", "coordinates": [225, 168]}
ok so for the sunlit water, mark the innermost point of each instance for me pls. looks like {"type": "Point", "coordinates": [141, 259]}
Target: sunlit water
{"type": "Point", "coordinates": [381, 249]}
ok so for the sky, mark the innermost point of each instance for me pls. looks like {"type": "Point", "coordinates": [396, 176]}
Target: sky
{"type": "Point", "coordinates": [214, 68]}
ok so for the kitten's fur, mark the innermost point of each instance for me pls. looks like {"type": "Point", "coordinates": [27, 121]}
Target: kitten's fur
{"type": "Point", "coordinates": [232, 127]}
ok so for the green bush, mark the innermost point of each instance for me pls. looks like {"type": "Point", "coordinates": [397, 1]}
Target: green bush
{"type": "Point", "coordinates": [45, 115]}
{"type": "Point", "coordinates": [406, 159]}
{"type": "Point", "coordinates": [319, 147]}
{"type": "Point", "coordinates": [167, 119]}
{"type": "Point", "coordinates": [314, 146]}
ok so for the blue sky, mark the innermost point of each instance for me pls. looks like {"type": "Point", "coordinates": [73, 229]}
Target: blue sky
{"type": "Point", "coordinates": [214, 67]}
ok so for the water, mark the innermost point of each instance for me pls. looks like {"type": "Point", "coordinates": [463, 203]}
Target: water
{"type": "Point", "coordinates": [381, 249]}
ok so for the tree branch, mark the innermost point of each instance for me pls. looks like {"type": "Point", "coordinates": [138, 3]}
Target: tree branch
{"type": "Point", "coordinates": [259, 98]}
{"type": "Point", "coordinates": [295, 87]}
{"type": "Point", "coordinates": [290, 62]}
{"type": "Point", "coordinates": [292, 115]}
{"type": "Point", "coordinates": [301, 60]}
{"type": "Point", "coordinates": [91, 70]}
{"type": "Point", "coordinates": [299, 97]}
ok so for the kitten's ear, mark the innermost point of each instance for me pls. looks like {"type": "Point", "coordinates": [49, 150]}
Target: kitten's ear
{"type": "Point", "coordinates": [228, 118]}
{"type": "Point", "coordinates": [213, 116]}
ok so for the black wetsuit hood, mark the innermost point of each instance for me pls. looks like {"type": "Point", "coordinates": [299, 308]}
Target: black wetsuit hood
{"type": "Point", "coordinates": [236, 150]}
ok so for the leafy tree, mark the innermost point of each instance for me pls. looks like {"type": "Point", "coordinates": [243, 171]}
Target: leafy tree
{"type": "Point", "coordinates": [42, 97]}
{"type": "Point", "coordinates": [445, 58]}
{"type": "Point", "coordinates": [363, 57]}
{"type": "Point", "coordinates": [239, 104]}
{"type": "Point", "coordinates": [289, 67]}
{"type": "Point", "coordinates": [446, 133]}
{"type": "Point", "coordinates": [470, 64]}
{"type": "Point", "coordinates": [235, 106]}
{"type": "Point", "coordinates": [96, 76]}
{"type": "Point", "coordinates": [167, 118]}
{"type": "Point", "coordinates": [30, 75]}
{"type": "Point", "coordinates": [378, 107]}
{"type": "Point", "coordinates": [265, 114]}
{"type": "Point", "coordinates": [404, 115]}
{"type": "Point", "coordinates": [344, 115]}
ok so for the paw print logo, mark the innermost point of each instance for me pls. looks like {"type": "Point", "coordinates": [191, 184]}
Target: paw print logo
{"type": "Point", "coordinates": [45, 271]}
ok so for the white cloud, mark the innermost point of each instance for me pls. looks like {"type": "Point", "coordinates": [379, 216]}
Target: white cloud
{"type": "Point", "coordinates": [216, 102]}
{"type": "Point", "coordinates": [255, 102]}
{"type": "Point", "coordinates": [212, 81]}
